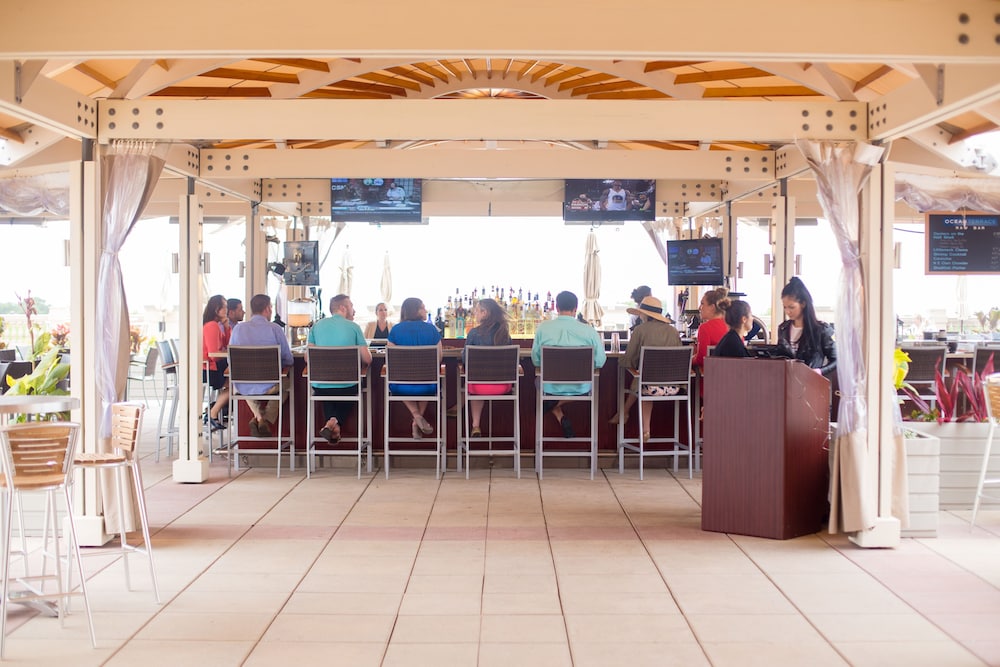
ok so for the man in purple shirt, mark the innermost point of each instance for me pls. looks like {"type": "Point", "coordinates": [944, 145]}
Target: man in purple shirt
{"type": "Point", "coordinates": [259, 330]}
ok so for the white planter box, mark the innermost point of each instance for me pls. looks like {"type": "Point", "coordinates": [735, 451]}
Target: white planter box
{"type": "Point", "coordinates": [961, 457]}
{"type": "Point", "coordinates": [923, 482]}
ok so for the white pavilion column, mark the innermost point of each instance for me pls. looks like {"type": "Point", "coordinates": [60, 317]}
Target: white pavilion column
{"type": "Point", "coordinates": [190, 466]}
{"type": "Point", "coordinates": [86, 231]}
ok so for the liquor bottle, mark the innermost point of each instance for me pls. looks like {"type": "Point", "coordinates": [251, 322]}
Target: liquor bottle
{"type": "Point", "coordinates": [460, 322]}
{"type": "Point", "coordinates": [439, 322]}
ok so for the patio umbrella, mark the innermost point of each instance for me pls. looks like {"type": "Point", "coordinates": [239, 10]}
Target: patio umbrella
{"type": "Point", "coordinates": [346, 273]}
{"type": "Point", "coordinates": [592, 311]}
{"type": "Point", "coordinates": [386, 285]}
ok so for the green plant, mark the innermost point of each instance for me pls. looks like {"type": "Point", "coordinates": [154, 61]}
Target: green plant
{"type": "Point", "coordinates": [946, 395]}
{"type": "Point", "coordinates": [45, 379]}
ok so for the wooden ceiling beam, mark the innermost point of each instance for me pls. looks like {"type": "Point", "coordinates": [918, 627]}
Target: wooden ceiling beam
{"type": "Point", "coordinates": [250, 75]}
{"type": "Point", "coordinates": [347, 84]}
{"type": "Point", "coordinates": [11, 135]}
{"type": "Point", "coordinates": [327, 94]}
{"type": "Point", "coordinates": [606, 87]}
{"type": "Point", "coordinates": [301, 63]}
{"type": "Point", "coordinates": [410, 74]}
{"type": "Point", "coordinates": [97, 76]}
{"type": "Point", "coordinates": [564, 74]}
{"type": "Point", "coordinates": [586, 81]}
{"type": "Point", "coordinates": [630, 95]}
{"type": "Point", "coordinates": [761, 91]}
{"type": "Point", "coordinates": [658, 65]}
{"type": "Point", "coordinates": [472, 70]}
{"type": "Point", "coordinates": [875, 75]}
{"type": "Point", "coordinates": [527, 68]}
{"type": "Point", "coordinates": [211, 91]}
{"type": "Point", "coordinates": [455, 72]}
{"type": "Point", "coordinates": [542, 71]}
{"type": "Point", "coordinates": [721, 75]}
{"type": "Point", "coordinates": [433, 71]}
{"type": "Point", "coordinates": [391, 81]}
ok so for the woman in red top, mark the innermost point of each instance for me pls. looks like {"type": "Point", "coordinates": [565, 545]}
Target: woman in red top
{"type": "Point", "coordinates": [712, 310]}
{"type": "Point", "coordinates": [215, 333]}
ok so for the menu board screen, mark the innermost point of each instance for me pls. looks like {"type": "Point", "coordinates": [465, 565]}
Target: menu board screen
{"type": "Point", "coordinates": [965, 242]}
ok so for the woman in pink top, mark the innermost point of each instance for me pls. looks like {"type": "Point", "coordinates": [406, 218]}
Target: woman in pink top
{"type": "Point", "coordinates": [215, 333]}
{"type": "Point", "coordinates": [712, 310]}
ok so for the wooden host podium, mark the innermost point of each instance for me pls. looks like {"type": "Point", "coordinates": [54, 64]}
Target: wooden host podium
{"type": "Point", "coordinates": [766, 424]}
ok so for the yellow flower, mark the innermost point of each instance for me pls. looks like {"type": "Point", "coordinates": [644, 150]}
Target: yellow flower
{"type": "Point", "coordinates": [902, 362]}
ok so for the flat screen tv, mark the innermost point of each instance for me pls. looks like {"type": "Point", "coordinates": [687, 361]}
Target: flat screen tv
{"type": "Point", "coordinates": [609, 199]}
{"type": "Point", "coordinates": [390, 200]}
{"type": "Point", "coordinates": [695, 262]}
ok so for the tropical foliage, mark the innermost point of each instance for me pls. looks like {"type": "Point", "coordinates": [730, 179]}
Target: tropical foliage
{"type": "Point", "coordinates": [957, 398]}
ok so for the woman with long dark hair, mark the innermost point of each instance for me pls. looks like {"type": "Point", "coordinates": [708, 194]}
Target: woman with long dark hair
{"type": "Point", "coordinates": [215, 332]}
{"type": "Point", "coordinates": [493, 329]}
{"type": "Point", "coordinates": [414, 329]}
{"type": "Point", "coordinates": [803, 336]}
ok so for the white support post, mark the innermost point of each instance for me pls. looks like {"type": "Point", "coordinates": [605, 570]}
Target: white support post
{"type": "Point", "coordinates": [86, 232]}
{"type": "Point", "coordinates": [875, 244]}
{"type": "Point", "coordinates": [190, 466]}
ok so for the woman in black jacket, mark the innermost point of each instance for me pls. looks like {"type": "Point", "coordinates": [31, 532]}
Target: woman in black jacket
{"type": "Point", "coordinates": [802, 336]}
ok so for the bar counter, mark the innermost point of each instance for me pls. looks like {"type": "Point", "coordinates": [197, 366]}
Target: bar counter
{"type": "Point", "coordinates": [608, 389]}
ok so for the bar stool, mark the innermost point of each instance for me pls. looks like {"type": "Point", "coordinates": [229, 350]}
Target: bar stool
{"type": "Point", "coordinates": [406, 366]}
{"type": "Point", "coordinates": [126, 425]}
{"type": "Point", "coordinates": [664, 375]}
{"type": "Point", "coordinates": [38, 457]}
{"type": "Point", "coordinates": [337, 365]}
{"type": "Point", "coordinates": [260, 366]}
{"type": "Point", "coordinates": [492, 365]}
{"type": "Point", "coordinates": [567, 365]}
{"type": "Point", "coordinates": [168, 400]}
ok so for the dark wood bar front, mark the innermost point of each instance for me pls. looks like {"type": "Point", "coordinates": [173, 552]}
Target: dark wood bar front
{"type": "Point", "coordinates": [608, 390]}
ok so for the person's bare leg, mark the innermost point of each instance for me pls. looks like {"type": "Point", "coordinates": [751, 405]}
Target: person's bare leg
{"type": "Point", "coordinates": [630, 400]}
{"type": "Point", "coordinates": [476, 412]}
{"type": "Point", "coordinates": [647, 414]}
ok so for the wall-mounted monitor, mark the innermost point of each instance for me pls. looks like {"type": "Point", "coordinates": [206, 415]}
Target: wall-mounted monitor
{"type": "Point", "coordinates": [387, 200]}
{"type": "Point", "coordinates": [695, 262]}
{"type": "Point", "coordinates": [609, 199]}
{"type": "Point", "coordinates": [963, 243]}
{"type": "Point", "coordinates": [301, 263]}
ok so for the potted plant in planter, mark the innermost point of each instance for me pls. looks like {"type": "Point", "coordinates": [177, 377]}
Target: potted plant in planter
{"type": "Point", "coordinates": [958, 419]}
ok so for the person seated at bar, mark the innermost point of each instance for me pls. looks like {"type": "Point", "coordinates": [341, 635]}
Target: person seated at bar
{"type": "Point", "coordinates": [638, 294]}
{"type": "Point", "coordinates": [414, 329]}
{"type": "Point", "coordinates": [236, 312]}
{"type": "Point", "coordinates": [711, 310]}
{"type": "Point", "coordinates": [338, 330]}
{"type": "Point", "coordinates": [379, 328]}
{"type": "Point", "coordinates": [493, 329]}
{"type": "Point", "coordinates": [653, 330]}
{"type": "Point", "coordinates": [566, 331]}
{"type": "Point", "coordinates": [215, 333]}
{"type": "Point", "coordinates": [259, 330]}
{"type": "Point", "coordinates": [803, 336]}
{"type": "Point", "coordinates": [740, 321]}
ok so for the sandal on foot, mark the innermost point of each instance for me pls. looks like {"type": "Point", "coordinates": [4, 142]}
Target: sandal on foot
{"type": "Point", "coordinates": [330, 436]}
{"type": "Point", "coordinates": [476, 432]}
{"type": "Point", "coordinates": [423, 424]}
{"type": "Point", "coordinates": [416, 431]}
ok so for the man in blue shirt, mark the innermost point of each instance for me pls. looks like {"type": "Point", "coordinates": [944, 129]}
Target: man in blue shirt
{"type": "Point", "coordinates": [566, 331]}
{"type": "Point", "coordinates": [339, 330]}
{"type": "Point", "coordinates": [259, 330]}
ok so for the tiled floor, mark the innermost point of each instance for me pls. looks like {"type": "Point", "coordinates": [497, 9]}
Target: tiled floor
{"type": "Point", "coordinates": [498, 571]}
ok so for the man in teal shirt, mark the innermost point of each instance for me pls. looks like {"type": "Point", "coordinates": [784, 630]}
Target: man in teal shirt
{"type": "Point", "coordinates": [566, 331]}
{"type": "Point", "coordinates": [338, 330]}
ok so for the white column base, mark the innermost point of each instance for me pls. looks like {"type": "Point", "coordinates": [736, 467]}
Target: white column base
{"type": "Point", "coordinates": [191, 471]}
{"type": "Point", "coordinates": [885, 534]}
{"type": "Point", "coordinates": [89, 530]}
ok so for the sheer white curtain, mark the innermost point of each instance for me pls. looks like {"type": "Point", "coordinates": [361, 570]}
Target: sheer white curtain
{"type": "Point", "coordinates": [35, 195]}
{"type": "Point", "coordinates": [938, 193]}
{"type": "Point", "coordinates": [129, 172]}
{"type": "Point", "coordinates": [841, 171]}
